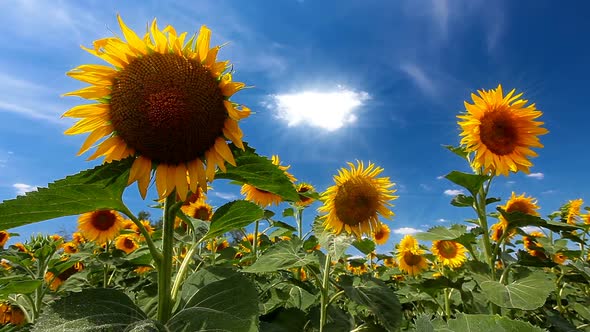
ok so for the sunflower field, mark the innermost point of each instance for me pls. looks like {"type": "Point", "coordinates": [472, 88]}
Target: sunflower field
{"type": "Point", "coordinates": [242, 267]}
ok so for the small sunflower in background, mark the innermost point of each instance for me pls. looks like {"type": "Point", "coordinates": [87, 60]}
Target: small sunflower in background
{"type": "Point", "coordinates": [198, 210]}
{"type": "Point", "coordinates": [70, 248]}
{"type": "Point", "coordinates": [303, 188]}
{"type": "Point", "coordinates": [520, 203]}
{"type": "Point", "coordinates": [354, 203]}
{"type": "Point", "coordinates": [573, 211]}
{"type": "Point", "coordinates": [501, 131]}
{"type": "Point", "coordinates": [262, 197]}
{"type": "Point", "coordinates": [164, 102]}
{"type": "Point", "coordinates": [55, 281]}
{"type": "Point", "coordinates": [217, 245]}
{"type": "Point", "coordinates": [11, 314]}
{"type": "Point", "coordinates": [146, 224]}
{"type": "Point", "coordinates": [533, 247]}
{"type": "Point", "coordinates": [127, 243]}
{"type": "Point", "coordinates": [100, 226]}
{"type": "Point", "coordinates": [449, 253]}
{"type": "Point", "coordinates": [559, 258]}
{"type": "Point", "coordinates": [381, 234]}
{"type": "Point", "coordinates": [410, 256]}
{"type": "Point", "coordinates": [4, 237]}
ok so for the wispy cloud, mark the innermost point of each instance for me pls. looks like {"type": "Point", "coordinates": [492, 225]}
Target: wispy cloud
{"type": "Point", "coordinates": [327, 110]}
{"type": "Point", "coordinates": [441, 220]}
{"type": "Point", "coordinates": [420, 78]}
{"type": "Point", "coordinates": [425, 187]}
{"type": "Point", "coordinates": [453, 192]}
{"type": "Point", "coordinates": [548, 192]}
{"type": "Point", "coordinates": [406, 230]}
{"type": "Point", "coordinates": [530, 229]}
{"type": "Point", "coordinates": [538, 176]}
{"type": "Point", "coordinates": [226, 196]}
{"type": "Point", "coordinates": [22, 188]}
{"type": "Point", "coordinates": [440, 177]}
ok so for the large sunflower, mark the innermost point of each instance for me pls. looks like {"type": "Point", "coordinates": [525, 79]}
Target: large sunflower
{"type": "Point", "coordinates": [100, 226]}
{"type": "Point", "coordinates": [263, 197]}
{"type": "Point", "coordinates": [501, 131]}
{"type": "Point", "coordinates": [355, 201]}
{"type": "Point", "coordinates": [449, 253]}
{"type": "Point", "coordinates": [164, 103]}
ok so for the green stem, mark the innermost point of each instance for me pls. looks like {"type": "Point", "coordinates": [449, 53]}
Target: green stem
{"type": "Point", "coordinates": [324, 301]}
{"type": "Point", "coordinates": [447, 303]}
{"type": "Point", "coordinates": [182, 270]}
{"type": "Point", "coordinates": [255, 241]}
{"type": "Point", "coordinates": [156, 254]}
{"type": "Point", "coordinates": [299, 220]}
{"type": "Point", "coordinates": [480, 207]}
{"type": "Point", "coordinates": [335, 296]}
{"type": "Point", "coordinates": [165, 266]}
{"type": "Point", "coordinates": [105, 269]}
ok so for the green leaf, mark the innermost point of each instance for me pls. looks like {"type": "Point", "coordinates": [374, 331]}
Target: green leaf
{"type": "Point", "coordinates": [90, 190]}
{"type": "Point", "coordinates": [233, 215]}
{"type": "Point", "coordinates": [259, 172]}
{"type": "Point", "coordinates": [226, 305]}
{"type": "Point", "coordinates": [288, 212]}
{"type": "Point", "coordinates": [458, 150]}
{"type": "Point", "coordinates": [335, 244]}
{"type": "Point", "coordinates": [528, 293]}
{"type": "Point", "coordinates": [519, 219]}
{"type": "Point", "coordinates": [282, 256]}
{"type": "Point", "coordinates": [442, 233]}
{"type": "Point", "coordinates": [99, 309]}
{"type": "Point", "coordinates": [366, 246]}
{"type": "Point", "coordinates": [284, 320]}
{"type": "Point", "coordinates": [378, 298]}
{"type": "Point", "coordinates": [480, 323]}
{"type": "Point", "coordinates": [19, 287]}
{"type": "Point", "coordinates": [147, 325]}
{"type": "Point", "coordinates": [471, 182]}
{"type": "Point", "coordinates": [462, 201]}
{"type": "Point", "coordinates": [203, 277]}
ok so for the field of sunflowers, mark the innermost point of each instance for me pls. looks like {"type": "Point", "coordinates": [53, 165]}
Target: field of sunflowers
{"type": "Point", "coordinates": [185, 266]}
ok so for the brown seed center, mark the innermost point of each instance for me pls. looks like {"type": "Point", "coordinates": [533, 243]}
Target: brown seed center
{"type": "Point", "coordinates": [357, 201]}
{"type": "Point", "coordinates": [103, 220]}
{"type": "Point", "coordinates": [128, 243]}
{"type": "Point", "coordinates": [447, 249]}
{"type": "Point", "coordinates": [498, 132]}
{"type": "Point", "coordinates": [168, 108]}
{"type": "Point", "coordinates": [412, 259]}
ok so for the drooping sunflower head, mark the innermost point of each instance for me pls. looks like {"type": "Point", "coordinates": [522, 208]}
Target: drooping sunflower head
{"type": "Point", "coordinates": [354, 203]}
{"type": "Point", "coordinates": [11, 314]}
{"type": "Point", "coordinates": [533, 247]}
{"type": "Point", "coordinates": [501, 130]}
{"type": "Point", "coordinates": [573, 210]}
{"type": "Point", "coordinates": [217, 245]}
{"type": "Point", "coordinates": [303, 188]}
{"type": "Point", "coordinates": [559, 258]}
{"type": "Point", "coordinates": [100, 226]}
{"type": "Point", "coordinates": [146, 224]}
{"type": "Point", "coordinates": [127, 243]}
{"type": "Point", "coordinates": [262, 197]}
{"type": "Point", "coordinates": [449, 253]}
{"type": "Point", "coordinates": [165, 102]}
{"type": "Point", "coordinates": [381, 234]}
{"type": "Point", "coordinates": [390, 262]}
{"type": "Point", "coordinates": [527, 205]}
{"type": "Point", "coordinates": [78, 238]}
{"type": "Point", "coordinates": [70, 248]}
{"type": "Point", "coordinates": [4, 237]}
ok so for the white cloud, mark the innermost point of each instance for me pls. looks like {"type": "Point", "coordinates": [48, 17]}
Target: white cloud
{"type": "Point", "coordinates": [226, 196]}
{"type": "Point", "coordinates": [538, 176]}
{"type": "Point", "coordinates": [470, 227]}
{"type": "Point", "coordinates": [550, 191]}
{"type": "Point", "coordinates": [440, 177]}
{"type": "Point", "coordinates": [22, 188]}
{"type": "Point", "coordinates": [441, 220]}
{"type": "Point", "coordinates": [417, 74]}
{"type": "Point", "coordinates": [406, 230]}
{"type": "Point", "coordinates": [326, 110]}
{"type": "Point", "coordinates": [453, 192]}
{"type": "Point", "coordinates": [530, 229]}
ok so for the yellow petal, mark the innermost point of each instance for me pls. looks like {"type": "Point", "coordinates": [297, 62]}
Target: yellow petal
{"type": "Point", "coordinates": [224, 151]}
{"type": "Point", "coordinates": [161, 44]}
{"type": "Point", "coordinates": [180, 180]}
{"type": "Point", "coordinates": [161, 175]}
{"type": "Point", "coordinates": [105, 147]}
{"type": "Point", "coordinates": [203, 43]}
{"type": "Point", "coordinates": [91, 92]}
{"type": "Point", "coordinates": [94, 136]}
{"type": "Point", "coordinates": [87, 110]}
{"type": "Point", "coordinates": [86, 125]}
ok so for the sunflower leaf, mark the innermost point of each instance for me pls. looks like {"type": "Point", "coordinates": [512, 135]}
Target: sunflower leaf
{"type": "Point", "coordinates": [226, 305]}
{"type": "Point", "coordinates": [282, 256]}
{"type": "Point", "coordinates": [478, 323]}
{"type": "Point", "coordinates": [442, 233]}
{"type": "Point", "coordinates": [366, 246]}
{"type": "Point", "coordinates": [528, 293]}
{"type": "Point", "coordinates": [377, 297]}
{"type": "Point", "coordinates": [458, 150]}
{"type": "Point", "coordinates": [99, 309]}
{"type": "Point", "coordinates": [471, 182]}
{"type": "Point", "coordinates": [462, 201]}
{"type": "Point", "coordinates": [259, 172]}
{"type": "Point", "coordinates": [233, 215]}
{"type": "Point", "coordinates": [519, 219]}
{"type": "Point", "coordinates": [94, 189]}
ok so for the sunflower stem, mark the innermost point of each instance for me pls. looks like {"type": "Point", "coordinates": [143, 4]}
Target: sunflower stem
{"type": "Point", "coordinates": [182, 270]}
{"type": "Point", "coordinates": [156, 254]}
{"type": "Point", "coordinates": [165, 266]}
{"type": "Point", "coordinates": [447, 303]}
{"type": "Point", "coordinates": [255, 241]}
{"type": "Point", "coordinates": [298, 219]}
{"type": "Point", "coordinates": [324, 301]}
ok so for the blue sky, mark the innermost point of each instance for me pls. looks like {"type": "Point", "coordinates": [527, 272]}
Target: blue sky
{"type": "Point", "coordinates": [334, 81]}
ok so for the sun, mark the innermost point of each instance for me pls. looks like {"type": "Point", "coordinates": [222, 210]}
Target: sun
{"type": "Point", "coordinates": [262, 197]}
{"type": "Point", "coordinates": [501, 131]}
{"type": "Point", "coordinates": [165, 103]}
{"type": "Point", "coordinates": [449, 253]}
{"type": "Point", "coordinates": [100, 226]}
{"type": "Point", "coordinates": [355, 202]}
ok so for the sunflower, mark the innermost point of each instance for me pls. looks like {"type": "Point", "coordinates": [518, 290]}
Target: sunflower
{"type": "Point", "coordinates": [78, 238]}
{"type": "Point", "coordinates": [559, 258]}
{"type": "Point", "coordinates": [70, 248]}
{"type": "Point", "coordinates": [4, 237]}
{"type": "Point", "coordinates": [21, 247]}
{"type": "Point", "coordinates": [449, 253]}
{"type": "Point", "coordinates": [56, 237]}
{"type": "Point", "coordinates": [303, 188]}
{"type": "Point", "coordinates": [11, 314]}
{"type": "Point", "coordinates": [146, 224]}
{"type": "Point", "coordinates": [390, 262]}
{"type": "Point", "coordinates": [357, 269]}
{"type": "Point", "coordinates": [410, 256]}
{"type": "Point", "coordinates": [354, 202]}
{"type": "Point", "coordinates": [164, 102]}
{"type": "Point", "coordinates": [501, 131]}
{"type": "Point", "coordinates": [263, 197]}
{"type": "Point", "coordinates": [498, 229]}
{"type": "Point", "coordinates": [533, 247]}
{"type": "Point", "coordinates": [526, 205]}
{"type": "Point", "coordinates": [198, 210]}
{"type": "Point", "coordinates": [587, 218]}
{"type": "Point", "coordinates": [381, 234]}
{"type": "Point", "coordinates": [573, 210]}
{"type": "Point", "coordinates": [127, 243]}
{"type": "Point", "coordinates": [216, 245]}
{"type": "Point", "coordinates": [100, 226]}
{"type": "Point", "coordinates": [142, 269]}
{"type": "Point", "coordinates": [55, 281]}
